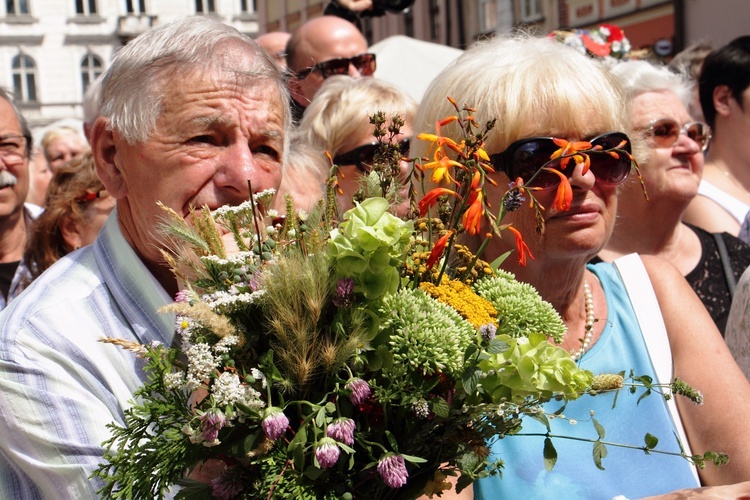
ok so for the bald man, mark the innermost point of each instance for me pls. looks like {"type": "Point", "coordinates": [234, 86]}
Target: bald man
{"type": "Point", "coordinates": [274, 42]}
{"type": "Point", "coordinates": [322, 47]}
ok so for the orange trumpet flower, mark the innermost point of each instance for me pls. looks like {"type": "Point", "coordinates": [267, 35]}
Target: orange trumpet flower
{"type": "Point", "coordinates": [438, 249]}
{"type": "Point", "coordinates": [521, 247]}
{"type": "Point", "coordinates": [430, 198]}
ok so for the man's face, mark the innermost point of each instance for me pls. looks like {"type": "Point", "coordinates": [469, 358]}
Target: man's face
{"type": "Point", "coordinates": [342, 42]}
{"type": "Point", "coordinates": [14, 163]}
{"type": "Point", "coordinates": [213, 136]}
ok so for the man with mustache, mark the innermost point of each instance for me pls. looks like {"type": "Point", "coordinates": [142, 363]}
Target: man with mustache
{"type": "Point", "coordinates": [15, 218]}
{"type": "Point", "coordinates": [193, 112]}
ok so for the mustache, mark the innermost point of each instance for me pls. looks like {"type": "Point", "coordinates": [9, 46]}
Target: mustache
{"type": "Point", "coordinates": [7, 179]}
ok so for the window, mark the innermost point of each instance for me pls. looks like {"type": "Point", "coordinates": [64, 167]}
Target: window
{"type": "Point", "coordinates": [136, 6]}
{"type": "Point", "coordinates": [17, 7]}
{"type": "Point", "coordinates": [247, 6]}
{"type": "Point", "coordinates": [531, 10]}
{"type": "Point", "coordinates": [91, 68]}
{"type": "Point", "coordinates": [487, 15]}
{"type": "Point", "coordinates": [85, 7]}
{"type": "Point", "coordinates": [24, 78]}
{"type": "Point", "coordinates": [434, 20]}
{"type": "Point", "coordinates": [204, 6]}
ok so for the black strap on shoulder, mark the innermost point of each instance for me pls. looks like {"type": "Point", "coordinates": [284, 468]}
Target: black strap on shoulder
{"type": "Point", "coordinates": [725, 263]}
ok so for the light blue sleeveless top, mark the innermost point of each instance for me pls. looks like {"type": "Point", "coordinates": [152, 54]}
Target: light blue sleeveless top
{"type": "Point", "coordinates": [627, 472]}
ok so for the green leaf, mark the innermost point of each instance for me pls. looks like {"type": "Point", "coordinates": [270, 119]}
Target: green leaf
{"type": "Point", "coordinates": [320, 418]}
{"type": "Point", "coordinates": [599, 428]}
{"type": "Point", "coordinates": [645, 394]}
{"type": "Point", "coordinates": [391, 440]}
{"type": "Point", "coordinates": [497, 346]}
{"type": "Point", "coordinates": [650, 440]}
{"type": "Point", "coordinates": [550, 455]}
{"type": "Point", "coordinates": [414, 460]}
{"type": "Point", "coordinates": [541, 418]}
{"type": "Point", "coordinates": [495, 264]}
{"type": "Point", "coordinates": [299, 439]}
{"type": "Point", "coordinates": [470, 379]}
{"type": "Point", "coordinates": [600, 451]}
{"type": "Point", "coordinates": [439, 407]}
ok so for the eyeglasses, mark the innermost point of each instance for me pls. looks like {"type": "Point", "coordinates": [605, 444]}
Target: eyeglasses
{"type": "Point", "coordinates": [526, 157]}
{"type": "Point", "coordinates": [365, 64]}
{"type": "Point", "coordinates": [89, 197]}
{"type": "Point", "coordinates": [666, 131]}
{"type": "Point", "coordinates": [13, 148]}
{"type": "Point", "coordinates": [364, 156]}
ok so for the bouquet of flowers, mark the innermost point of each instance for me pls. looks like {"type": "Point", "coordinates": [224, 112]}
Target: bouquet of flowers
{"type": "Point", "coordinates": [607, 42]}
{"type": "Point", "coordinates": [370, 357]}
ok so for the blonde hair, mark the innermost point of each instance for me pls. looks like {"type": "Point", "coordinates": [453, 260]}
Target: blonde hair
{"type": "Point", "coordinates": [531, 86]}
{"type": "Point", "coordinates": [343, 107]}
{"type": "Point", "coordinates": [59, 133]}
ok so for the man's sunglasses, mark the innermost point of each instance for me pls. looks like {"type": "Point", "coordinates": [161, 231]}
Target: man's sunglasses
{"type": "Point", "coordinates": [364, 156]}
{"type": "Point", "coordinates": [526, 157]}
{"type": "Point", "coordinates": [666, 131]}
{"type": "Point", "coordinates": [365, 64]}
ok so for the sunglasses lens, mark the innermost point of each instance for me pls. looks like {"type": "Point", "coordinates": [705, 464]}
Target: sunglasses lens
{"type": "Point", "coordinates": [334, 67]}
{"type": "Point", "coordinates": [608, 169]}
{"type": "Point", "coordinates": [365, 64]}
{"type": "Point", "coordinates": [665, 133]}
{"type": "Point", "coordinates": [699, 133]}
{"type": "Point", "coordinates": [526, 160]}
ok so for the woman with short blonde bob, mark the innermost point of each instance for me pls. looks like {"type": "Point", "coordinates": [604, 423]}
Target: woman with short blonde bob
{"type": "Point", "coordinates": [338, 121]}
{"type": "Point", "coordinates": [538, 90]}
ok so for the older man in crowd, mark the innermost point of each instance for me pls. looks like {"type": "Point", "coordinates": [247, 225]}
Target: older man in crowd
{"type": "Point", "coordinates": [15, 218]}
{"type": "Point", "coordinates": [191, 111]}
{"type": "Point", "coordinates": [321, 47]}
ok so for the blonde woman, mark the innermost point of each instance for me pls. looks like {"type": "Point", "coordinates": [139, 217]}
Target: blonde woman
{"type": "Point", "coordinates": [338, 121]}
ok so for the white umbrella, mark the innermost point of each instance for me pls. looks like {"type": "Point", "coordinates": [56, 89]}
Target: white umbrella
{"type": "Point", "coordinates": [411, 64]}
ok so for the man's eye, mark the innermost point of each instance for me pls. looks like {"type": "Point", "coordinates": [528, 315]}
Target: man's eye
{"type": "Point", "coordinates": [207, 139]}
{"type": "Point", "coordinates": [267, 150]}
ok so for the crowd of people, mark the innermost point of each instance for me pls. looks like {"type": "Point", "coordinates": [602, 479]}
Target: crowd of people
{"type": "Point", "coordinates": [648, 271]}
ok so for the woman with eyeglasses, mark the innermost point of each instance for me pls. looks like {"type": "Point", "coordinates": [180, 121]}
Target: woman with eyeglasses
{"type": "Point", "coordinates": [338, 122]}
{"type": "Point", "coordinates": [543, 95]}
{"type": "Point", "coordinates": [671, 161]}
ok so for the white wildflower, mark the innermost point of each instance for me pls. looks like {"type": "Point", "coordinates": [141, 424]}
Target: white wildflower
{"type": "Point", "coordinates": [223, 345]}
{"type": "Point", "coordinates": [174, 380]}
{"type": "Point", "coordinates": [266, 193]}
{"type": "Point", "coordinates": [258, 375]}
{"type": "Point", "coordinates": [200, 365]}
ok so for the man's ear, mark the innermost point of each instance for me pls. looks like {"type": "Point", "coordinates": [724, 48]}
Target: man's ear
{"type": "Point", "coordinates": [722, 100]}
{"type": "Point", "coordinates": [104, 148]}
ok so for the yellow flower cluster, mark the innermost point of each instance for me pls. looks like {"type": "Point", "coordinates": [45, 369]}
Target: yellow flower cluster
{"type": "Point", "coordinates": [456, 294]}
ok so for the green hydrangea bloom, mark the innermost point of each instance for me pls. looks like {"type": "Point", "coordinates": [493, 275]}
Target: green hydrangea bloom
{"type": "Point", "coordinates": [532, 367]}
{"type": "Point", "coordinates": [369, 246]}
{"type": "Point", "coordinates": [424, 333]}
{"type": "Point", "coordinates": [521, 311]}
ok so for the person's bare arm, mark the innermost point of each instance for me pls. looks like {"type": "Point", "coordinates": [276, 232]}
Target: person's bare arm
{"type": "Point", "coordinates": [708, 215]}
{"type": "Point", "coordinates": [702, 359]}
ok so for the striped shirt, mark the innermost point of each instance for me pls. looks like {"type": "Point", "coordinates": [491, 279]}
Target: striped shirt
{"type": "Point", "coordinates": [59, 386]}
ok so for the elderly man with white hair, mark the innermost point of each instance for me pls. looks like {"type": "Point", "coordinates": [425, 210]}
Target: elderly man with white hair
{"type": "Point", "coordinates": [193, 113]}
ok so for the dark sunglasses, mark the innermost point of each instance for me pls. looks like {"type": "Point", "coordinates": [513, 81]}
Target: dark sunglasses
{"type": "Point", "coordinates": [666, 131]}
{"type": "Point", "coordinates": [364, 156]}
{"type": "Point", "coordinates": [365, 64]}
{"type": "Point", "coordinates": [526, 157]}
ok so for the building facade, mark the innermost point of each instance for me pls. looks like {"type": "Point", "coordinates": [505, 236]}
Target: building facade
{"type": "Point", "coordinates": [51, 50]}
